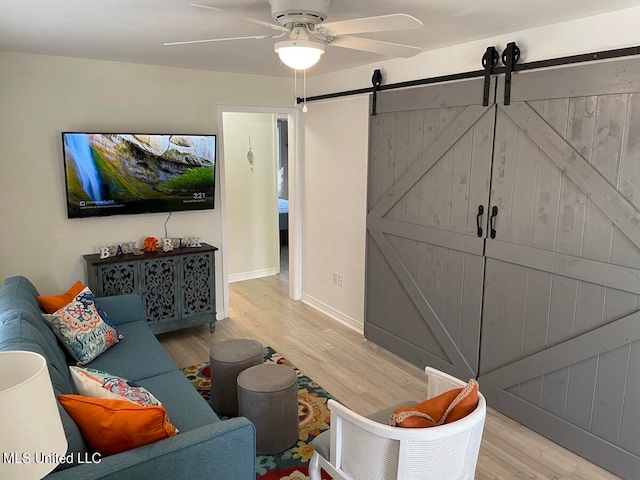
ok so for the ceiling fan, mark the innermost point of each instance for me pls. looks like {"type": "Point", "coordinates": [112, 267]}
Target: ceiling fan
{"type": "Point", "coordinates": [303, 22]}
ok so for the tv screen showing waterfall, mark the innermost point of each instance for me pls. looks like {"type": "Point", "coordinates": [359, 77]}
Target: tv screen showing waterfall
{"type": "Point", "coordinates": [117, 174]}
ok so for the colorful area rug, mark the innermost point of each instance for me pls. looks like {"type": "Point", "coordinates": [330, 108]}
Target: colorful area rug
{"type": "Point", "coordinates": [292, 464]}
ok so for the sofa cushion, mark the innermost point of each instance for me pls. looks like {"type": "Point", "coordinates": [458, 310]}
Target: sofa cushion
{"type": "Point", "coordinates": [18, 303]}
{"type": "Point", "coordinates": [185, 407]}
{"type": "Point", "coordinates": [138, 356]}
{"type": "Point", "coordinates": [122, 308]}
{"type": "Point", "coordinates": [22, 328]}
{"type": "Point", "coordinates": [18, 292]}
{"type": "Point", "coordinates": [114, 426]}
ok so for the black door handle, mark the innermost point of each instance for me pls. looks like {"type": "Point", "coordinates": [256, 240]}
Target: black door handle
{"type": "Point", "coordinates": [479, 219]}
{"type": "Point", "coordinates": [492, 221]}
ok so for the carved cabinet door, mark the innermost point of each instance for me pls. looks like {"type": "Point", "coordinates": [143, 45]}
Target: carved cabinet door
{"type": "Point", "coordinates": [117, 279]}
{"type": "Point", "coordinates": [160, 289]}
{"type": "Point", "coordinates": [197, 284]}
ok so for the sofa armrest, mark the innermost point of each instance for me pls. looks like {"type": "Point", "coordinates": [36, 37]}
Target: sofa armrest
{"type": "Point", "coordinates": [220, 451]}
{"type": "Point", "coordinates": [122, 308]}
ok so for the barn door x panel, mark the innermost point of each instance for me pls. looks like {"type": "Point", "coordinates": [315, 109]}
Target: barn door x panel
{"type": "Point", "coordinates": [560, 346]}
{"type": "Point", "coordinates": [429, 171]}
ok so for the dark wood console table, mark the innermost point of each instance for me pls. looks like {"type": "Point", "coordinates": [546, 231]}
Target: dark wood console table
{"type": "Point", "coordinates": [178, 288]}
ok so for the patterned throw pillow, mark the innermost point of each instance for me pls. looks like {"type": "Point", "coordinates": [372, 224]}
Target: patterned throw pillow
{"type": "Point", "coordinates": [86, 296]}
{"type": "Point", "coordinates": [96, 384]}
{"type": "Point", "coordinates": [81, 328]}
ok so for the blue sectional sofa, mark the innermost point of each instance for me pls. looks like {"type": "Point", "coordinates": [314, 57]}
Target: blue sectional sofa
{"type": "Point", "coordinates": [205, 448]}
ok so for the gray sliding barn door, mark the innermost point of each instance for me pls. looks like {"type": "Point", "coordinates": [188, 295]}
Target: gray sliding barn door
{"type": "Point", "coordinates": [429, 170]}
{"type": "Point", "coordinates": [561, 328]}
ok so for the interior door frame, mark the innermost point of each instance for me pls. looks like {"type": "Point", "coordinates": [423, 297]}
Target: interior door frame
{"type": "Point", "coordinates": [295, 194]}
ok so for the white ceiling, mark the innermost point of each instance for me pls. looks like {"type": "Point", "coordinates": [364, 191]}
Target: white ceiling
{"type": "Point", "coordinates": [135, 30]}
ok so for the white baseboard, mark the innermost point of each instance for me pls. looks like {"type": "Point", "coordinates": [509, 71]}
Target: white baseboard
{"type": "Point", "coordinates": [333, 313]}
{"type": "Point", "coordinates": [238, 277]}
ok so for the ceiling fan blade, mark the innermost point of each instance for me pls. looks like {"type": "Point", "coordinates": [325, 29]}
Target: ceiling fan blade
{"type": "Point", "coordinates": [383, 23]}
{"type": "Point", "coordinates": [272, 26]}
{"type": "Point", "coordinates": [255, 37]}
{"type": "Point", "coordinates": [376, 46]}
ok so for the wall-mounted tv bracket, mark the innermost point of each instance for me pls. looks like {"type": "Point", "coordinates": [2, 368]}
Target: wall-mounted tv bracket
{"type": "Point", "coordinates": [489, 62]}
{"type": "Point", "coordinates": [510, 57]}
{"type": "Point", "coordinates": [376, 81]}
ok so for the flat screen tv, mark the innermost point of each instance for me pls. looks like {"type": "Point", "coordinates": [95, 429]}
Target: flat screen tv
{"type": "Point", "coordinates": [117, 174]}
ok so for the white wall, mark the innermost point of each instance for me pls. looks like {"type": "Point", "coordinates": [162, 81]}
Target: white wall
{"type": "Point", "coordinates": [252, 195]}
{"type": "Point", "coordinates": [42, 96]}
{"type": "Point", "coordinates": [334, 207]}
{"type": "Point", "coordinates": [336, 136]}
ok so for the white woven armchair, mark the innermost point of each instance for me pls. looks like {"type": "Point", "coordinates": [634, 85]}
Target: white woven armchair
{"type": "Point", "coordinates": [366, 448]}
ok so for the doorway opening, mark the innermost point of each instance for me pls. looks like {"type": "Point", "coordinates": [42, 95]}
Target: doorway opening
{"type": "Point", "coordinates": [259, 169]}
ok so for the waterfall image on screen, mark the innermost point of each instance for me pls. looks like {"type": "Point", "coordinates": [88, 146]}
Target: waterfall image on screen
{"type": "Point", "coordinates": [113, 174]}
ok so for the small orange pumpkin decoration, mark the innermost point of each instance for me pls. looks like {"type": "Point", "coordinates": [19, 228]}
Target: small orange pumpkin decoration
{"type": "Point", "coordinates": [150, 244]}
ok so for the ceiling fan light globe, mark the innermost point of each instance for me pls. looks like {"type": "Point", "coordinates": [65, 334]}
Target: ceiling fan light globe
{"type": "Point", "coordinates": [299, 54]}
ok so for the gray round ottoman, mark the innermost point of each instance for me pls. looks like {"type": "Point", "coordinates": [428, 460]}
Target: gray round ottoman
{"type": "Point", "coordinates": [228, 359]}
{"type": "Point", "coordinates": [268, 396]}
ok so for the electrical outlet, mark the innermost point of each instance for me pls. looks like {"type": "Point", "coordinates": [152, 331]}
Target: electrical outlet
{"type": "Point", "coordinates": [335, 278]}
{"type": "Point", "coordinates": [340, 280]}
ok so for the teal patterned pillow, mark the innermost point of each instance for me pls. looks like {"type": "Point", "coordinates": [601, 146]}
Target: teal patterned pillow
{"type": "Point", "coordinates": [81, 329]}
{"type": "Point", "coordinates": [86, 296]}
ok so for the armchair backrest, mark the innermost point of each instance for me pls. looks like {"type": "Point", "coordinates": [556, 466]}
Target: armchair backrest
{"type": "Point", "coordinates": [362, 449]}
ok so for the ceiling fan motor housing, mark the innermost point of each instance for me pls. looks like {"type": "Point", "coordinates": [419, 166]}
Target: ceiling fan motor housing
{"type": "Point", "coordinates": [287, 12]}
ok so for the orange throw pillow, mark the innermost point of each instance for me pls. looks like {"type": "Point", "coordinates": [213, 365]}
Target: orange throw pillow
{"type": "Point", "coordinates": [114, 426]}
{"type": "Point", "coordinates": [445, 408]}
{"type": "Point", "coordinates": [53, 303]}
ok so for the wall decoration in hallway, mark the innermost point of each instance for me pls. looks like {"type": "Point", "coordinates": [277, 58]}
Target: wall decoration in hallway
{"type": "Point", "coordinates": [250, 155]}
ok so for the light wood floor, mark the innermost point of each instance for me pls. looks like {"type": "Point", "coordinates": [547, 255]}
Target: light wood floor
{"type": "Point", "coordinates": [365, 377]}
